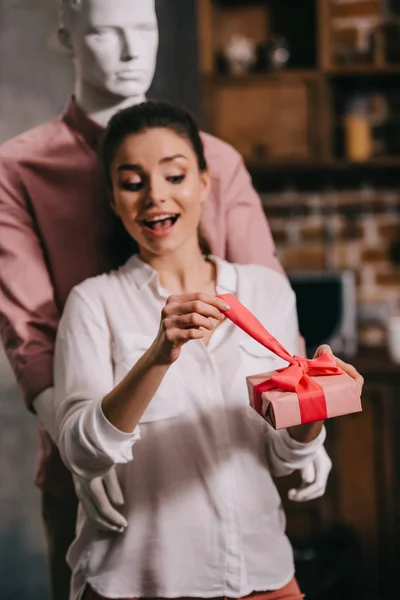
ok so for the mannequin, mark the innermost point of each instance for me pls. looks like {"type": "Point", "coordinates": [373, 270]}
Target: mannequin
{"type": "Point", "coordinates": [114, 49]}
{"type": "Point", "coordinates": [113, 46]}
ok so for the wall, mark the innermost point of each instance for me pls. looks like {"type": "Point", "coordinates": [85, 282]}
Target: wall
{"type": "Point", "coordinates": [347, 229]}
{"type": "Point", "coordinates": [35, 81]}
{"type": "Point", "coordinates": [36, 77]}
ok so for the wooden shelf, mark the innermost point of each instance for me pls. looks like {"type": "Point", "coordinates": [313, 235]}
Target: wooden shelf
{"type": "Point", "coordinates": [389, 162]}
{"type": "Point", "coordinates": [362, 71]}
{"type": "Point", "coordinates": [287, 74]}
{"type": "Point", "coordinates": [279, 75]}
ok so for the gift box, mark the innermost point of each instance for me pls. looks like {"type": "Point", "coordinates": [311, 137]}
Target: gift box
{"type": "Point", "coordinates": [305, 391]}
{"type": "Point", "coordinates": [283, 408]}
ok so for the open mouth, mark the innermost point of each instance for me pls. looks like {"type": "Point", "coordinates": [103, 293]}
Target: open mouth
{"type": "Point", "coordinates": [160, 223]}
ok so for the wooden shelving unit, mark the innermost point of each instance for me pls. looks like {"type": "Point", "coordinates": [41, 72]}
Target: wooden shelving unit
{"type": "Point", "coordinates": [361, 71]}
{"type": "Point", "coordinates": [294, 117]}
{"type": "Point", "coordinates": [338, 165]}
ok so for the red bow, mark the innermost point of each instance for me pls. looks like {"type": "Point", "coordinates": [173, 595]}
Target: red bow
{"type": "Point", "coordinates": [294, 378]}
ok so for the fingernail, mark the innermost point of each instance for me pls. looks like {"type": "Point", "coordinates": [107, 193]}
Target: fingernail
{"type": "Point", "coordinates": [226, 306]}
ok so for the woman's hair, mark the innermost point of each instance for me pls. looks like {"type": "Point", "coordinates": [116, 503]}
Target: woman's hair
{"type": "Point", "coordinates": [150, 115]}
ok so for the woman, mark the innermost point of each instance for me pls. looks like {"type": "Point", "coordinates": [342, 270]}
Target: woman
{"type": "Point", "coordinates": [151, 377]}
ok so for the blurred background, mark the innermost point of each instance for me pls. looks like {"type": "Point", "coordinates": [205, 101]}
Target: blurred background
{"type": "Point", "coordinates": [309, 92]}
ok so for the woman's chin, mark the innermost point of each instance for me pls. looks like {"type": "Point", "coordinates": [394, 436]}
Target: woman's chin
{"type": "Point", "coordinates": [160, 246]}
{"type": "Point", "coordinates": [167, 241]}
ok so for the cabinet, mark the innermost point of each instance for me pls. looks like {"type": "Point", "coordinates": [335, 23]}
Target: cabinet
{"type": "Point", "coordinates": [355, 527]}
{"type": "Point", "coordinates": [334, 102]}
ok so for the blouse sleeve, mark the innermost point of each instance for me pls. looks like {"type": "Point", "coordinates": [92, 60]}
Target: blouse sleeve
{"type": "Point", "coordinates": [83, 375]}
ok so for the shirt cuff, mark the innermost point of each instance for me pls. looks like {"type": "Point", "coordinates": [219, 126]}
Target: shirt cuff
{"type": "Point", "coordinates": [301, 448]}
{"type": "Point", "coordinates": [288, 455]}
{"type": "Point", "coordinates": [113, 442]}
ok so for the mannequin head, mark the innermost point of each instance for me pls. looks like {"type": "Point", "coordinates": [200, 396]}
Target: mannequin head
{"type": "Point", "coordinates": [113, 44]}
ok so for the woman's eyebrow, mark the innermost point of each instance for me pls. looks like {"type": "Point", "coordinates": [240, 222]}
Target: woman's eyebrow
{"type": "Point", "coordinates": [129, 167]}
{"type": "Point", "coordinates": [174, 157]}
{"type": "Point", "coordinates": [138, 168]}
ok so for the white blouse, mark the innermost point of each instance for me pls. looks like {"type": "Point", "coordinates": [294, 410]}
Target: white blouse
{"type": "Point", "coordinates": [204, 516]}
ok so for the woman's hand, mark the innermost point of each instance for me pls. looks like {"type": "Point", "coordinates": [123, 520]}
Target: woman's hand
{"type": "Point", "coordinates": [307, 433]}
{"type": "Point", "coordinates": [186, 317]}
{"type": "Point", "coordinates": [349, 369]}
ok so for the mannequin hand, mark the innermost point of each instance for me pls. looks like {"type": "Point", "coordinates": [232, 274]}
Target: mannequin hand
{"type": "Point", "coordinates": [98, 498]}
{"type": "Point", "coordinates": [314, 478]}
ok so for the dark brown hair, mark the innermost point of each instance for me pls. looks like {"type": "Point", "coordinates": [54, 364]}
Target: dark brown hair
{"type": "Point", "coordinates": [149, 115]}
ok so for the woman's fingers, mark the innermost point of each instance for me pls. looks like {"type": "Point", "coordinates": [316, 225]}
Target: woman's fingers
{"type": "Point", "coordinates": [203, 304]}
{"type": "Point", "coordinates": [346, 367]}
{"type": "Point", "coordinates": [196, 306]}
{"type": "Point", "coordinates": [190, 321]}
{"type": "Point", "coordinates": [350, 370]}
{"type": "Point", "coordinates": [180, 336]}
{"type": "Point", "coordinates": [206, 298]}
{"type": "Point", "coordinates": [322, 349]}
{"type": "Point", "coordinates": [186, 317]}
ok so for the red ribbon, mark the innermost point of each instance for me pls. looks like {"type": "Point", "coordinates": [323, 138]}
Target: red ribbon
{"type": "Point", "coordinates": [294, 378]}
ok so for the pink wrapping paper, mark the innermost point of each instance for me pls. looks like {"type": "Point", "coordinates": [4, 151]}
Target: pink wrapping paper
{"type": "Point", "coordinates": [306, 391]}
{"type": "Point", "coordinates": [281, 408]}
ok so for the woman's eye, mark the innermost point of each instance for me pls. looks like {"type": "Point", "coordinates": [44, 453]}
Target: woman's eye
{"type": "Point", "coordinates": [176, 178]}
{"type": "Point", "coordinates": [132, 186]}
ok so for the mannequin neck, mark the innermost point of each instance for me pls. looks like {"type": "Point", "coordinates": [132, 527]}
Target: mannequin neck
{"type": "Point", "coordinates": [100, 106]}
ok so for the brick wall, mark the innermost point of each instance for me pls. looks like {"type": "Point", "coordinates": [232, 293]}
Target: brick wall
{"type": "Point", "coordinates": [348, 229]}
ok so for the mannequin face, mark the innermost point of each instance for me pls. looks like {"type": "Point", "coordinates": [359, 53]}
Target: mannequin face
{"type": "Point", "coordinates": [114, 45]}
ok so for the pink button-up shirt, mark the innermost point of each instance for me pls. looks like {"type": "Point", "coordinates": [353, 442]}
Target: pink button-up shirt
{"type": "Point", "coordinates": [57, 229]}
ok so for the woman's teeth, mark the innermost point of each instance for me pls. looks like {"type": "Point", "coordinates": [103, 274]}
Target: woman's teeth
{"type": "Point", "coordinates": [160, 222]}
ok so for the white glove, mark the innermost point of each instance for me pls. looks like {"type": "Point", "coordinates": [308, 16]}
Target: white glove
{"type": "Point", "coordinates": [314, 478]}
{"type": "Point", "coordinates": [99, 497]}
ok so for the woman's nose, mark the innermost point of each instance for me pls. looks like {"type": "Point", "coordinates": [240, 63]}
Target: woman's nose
{"type": "Point", "coordinates": [157, 193]}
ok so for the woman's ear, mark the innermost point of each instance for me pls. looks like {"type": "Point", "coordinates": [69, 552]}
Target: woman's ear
{"type": "Point", "coordinates": [205, 185]}
{"type": "Point", "coordinates": [64, 37]}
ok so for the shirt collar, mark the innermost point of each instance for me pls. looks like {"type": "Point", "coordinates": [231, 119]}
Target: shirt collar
{"type": "Point", "coordinates": [143, 274]}
{"type": "Point", "coordinates": [77, 120]}
{"type": "Point", "coordinates": [226, 276]}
